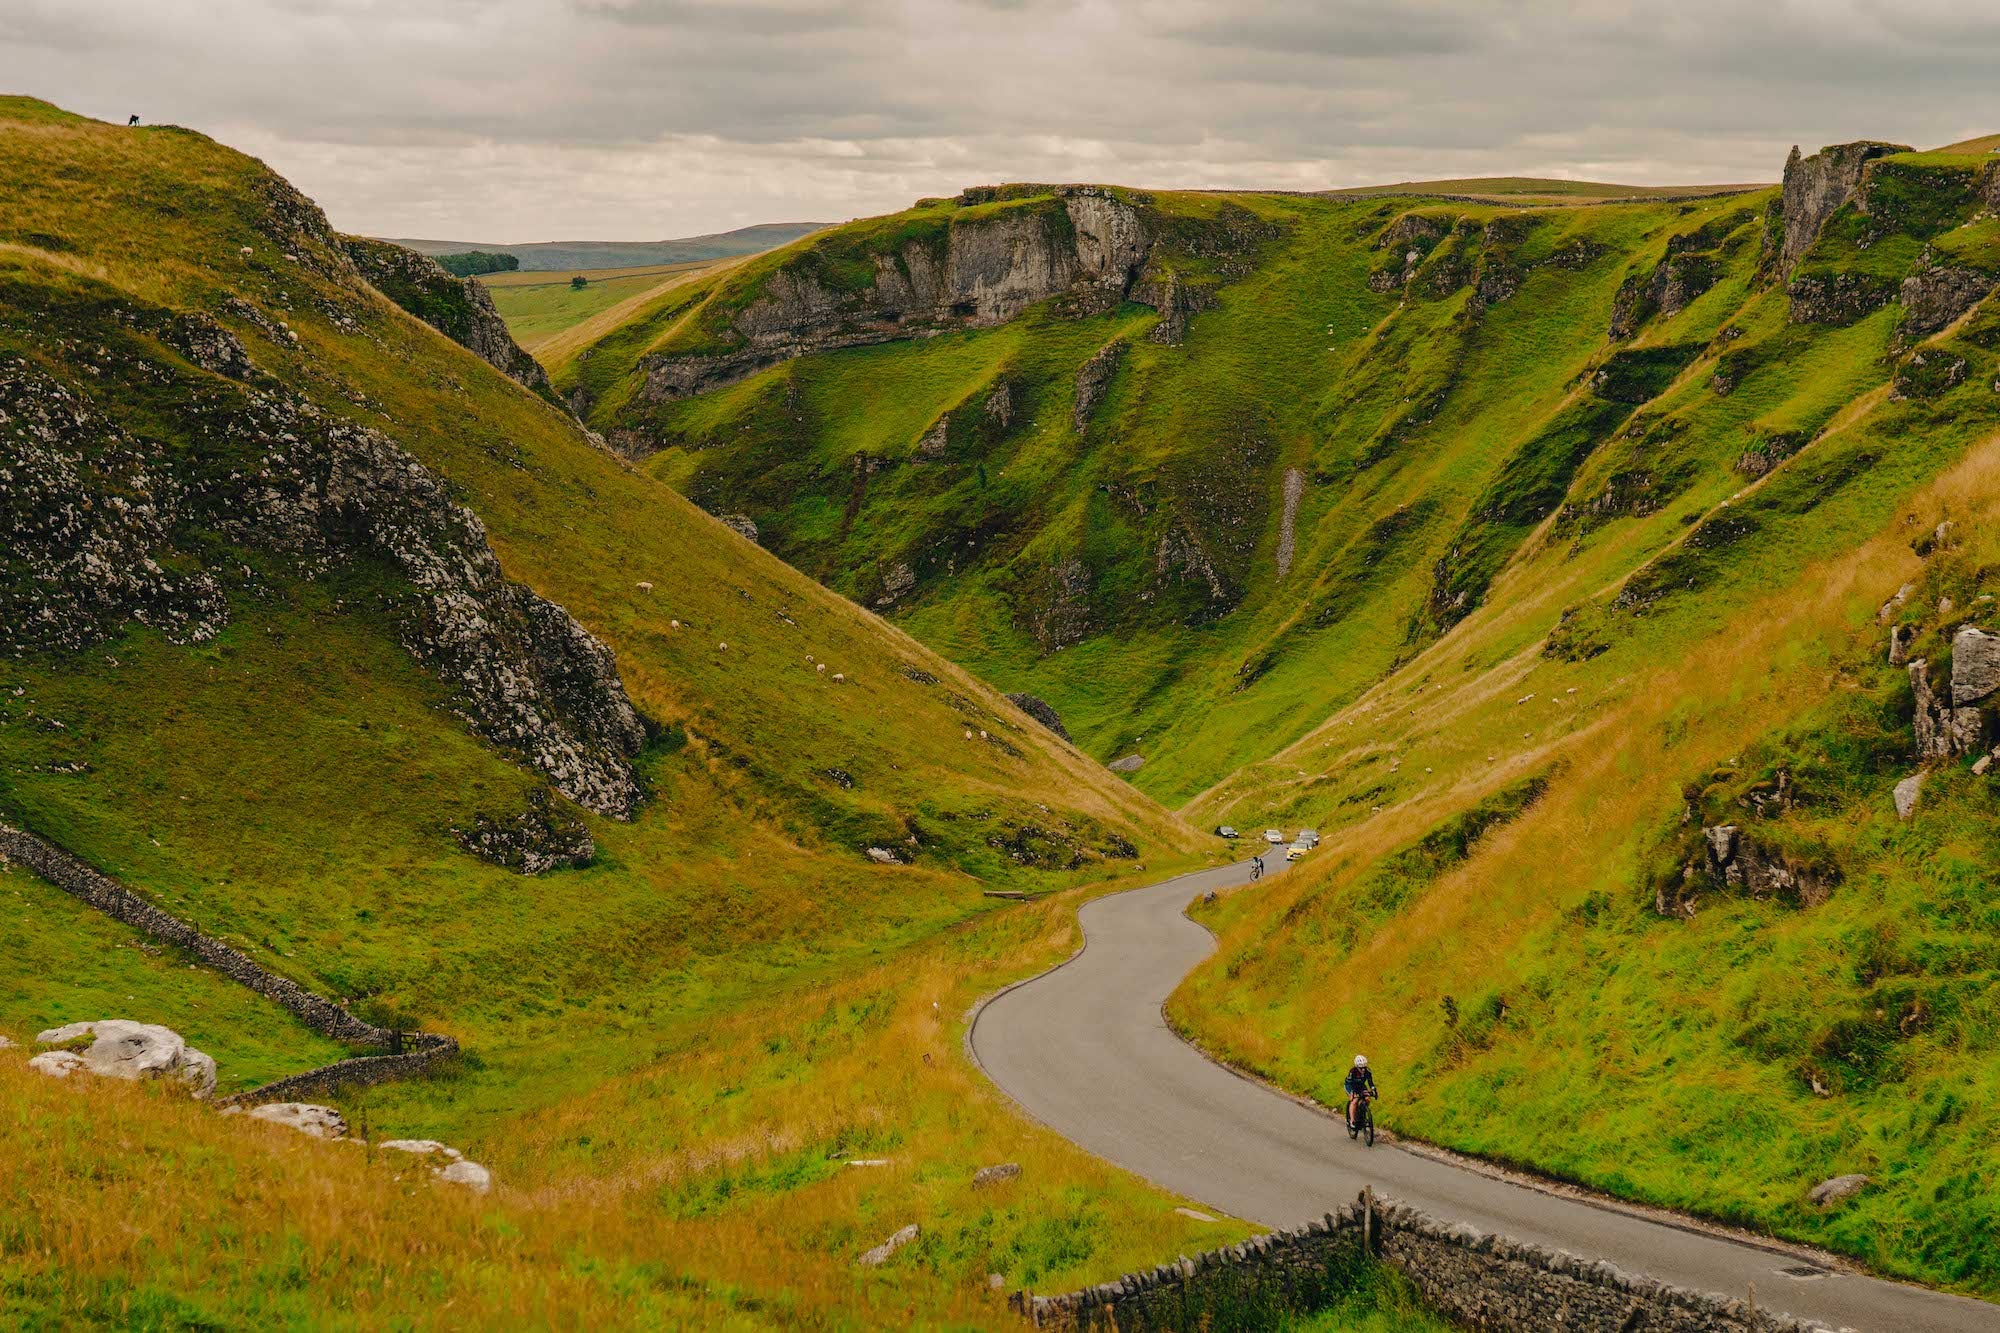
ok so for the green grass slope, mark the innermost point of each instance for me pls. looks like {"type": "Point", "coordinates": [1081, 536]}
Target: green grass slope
{"type": "Point", "coordinates": [295, 783]}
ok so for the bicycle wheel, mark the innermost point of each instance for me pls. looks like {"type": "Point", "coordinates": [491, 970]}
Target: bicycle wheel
{"type": "Point", "coordinates": [1369, 1121]}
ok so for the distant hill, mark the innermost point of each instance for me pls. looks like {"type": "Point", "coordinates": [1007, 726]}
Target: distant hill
{"type": "Point", "coordinates": [1534, 189]}
{"type": "Point", "coordinates": [547, 256]}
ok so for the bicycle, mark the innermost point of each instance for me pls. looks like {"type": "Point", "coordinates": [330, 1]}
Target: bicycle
{"type": "Point", "coordinates": [1363, 1121]}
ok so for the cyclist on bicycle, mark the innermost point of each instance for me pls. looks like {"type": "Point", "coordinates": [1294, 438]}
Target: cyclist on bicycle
{"type": "Point", "coordinates": [1360, 1083]}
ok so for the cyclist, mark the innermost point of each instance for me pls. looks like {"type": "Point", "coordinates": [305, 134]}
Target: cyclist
{"type": "Point", "coordinates": [1256, 867]}
{"type": "Point", "coordinates": [1360, 1083]}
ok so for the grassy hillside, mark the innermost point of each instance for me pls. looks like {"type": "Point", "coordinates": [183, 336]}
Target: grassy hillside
{"type": "Point", "coordinates": [288, 774]}
{"type": "Point", "coordinates": [1593, 509]}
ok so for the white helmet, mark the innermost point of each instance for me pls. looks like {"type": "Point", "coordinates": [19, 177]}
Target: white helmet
{"type": "Point", "coordinates": [1361, 1062]}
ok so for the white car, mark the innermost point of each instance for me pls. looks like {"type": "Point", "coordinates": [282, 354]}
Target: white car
{"type": "Point", "coordinates": [1274, 836]}
{"type": "Point", "coordinates": [1308, 838]}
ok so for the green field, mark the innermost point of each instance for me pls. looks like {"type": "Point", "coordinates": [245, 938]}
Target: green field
{"type": "Point", "coordinates": [538, 306]}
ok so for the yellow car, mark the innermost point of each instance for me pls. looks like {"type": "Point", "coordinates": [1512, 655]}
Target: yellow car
{"type": "Point", "coordinates": [1295, 851]}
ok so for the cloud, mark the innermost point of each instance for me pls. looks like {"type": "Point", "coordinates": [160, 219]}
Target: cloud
{"type": "Point", "coordinates": [520, 119]}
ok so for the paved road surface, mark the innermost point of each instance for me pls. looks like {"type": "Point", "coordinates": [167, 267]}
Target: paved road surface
{"type": "Point", "coordinates": [1084, 1050]}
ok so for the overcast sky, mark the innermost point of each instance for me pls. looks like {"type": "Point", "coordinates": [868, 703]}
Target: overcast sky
{"type": "Point", "coordinates": [518, 120]}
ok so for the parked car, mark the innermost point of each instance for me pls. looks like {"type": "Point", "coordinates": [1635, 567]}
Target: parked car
{"type": "Point", "coordinates": [1224, 831]}
{"type": "Point", "coordinates": [1274, 836]}
{"type": "Point", "coordinates": [1295, 851]}
{"type": "Point", "coordinates": [1308, 838]}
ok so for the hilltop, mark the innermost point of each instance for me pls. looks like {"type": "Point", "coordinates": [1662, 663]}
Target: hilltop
{"type": "Point", "coordinates": [1545, 557]}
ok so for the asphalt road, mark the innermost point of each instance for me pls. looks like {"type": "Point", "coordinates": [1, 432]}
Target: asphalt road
{"type": "Point", "coordinates": [1084, 1050]}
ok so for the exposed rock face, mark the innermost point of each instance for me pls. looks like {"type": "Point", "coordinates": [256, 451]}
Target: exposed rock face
{"type": "Point", "coordinates": [999, 407]}
{"type": "Point", "coordinates": [987, 271]}
{"type": "Point", "coordinates": [1839, 298]}
{"type": "Point", "coordinates": [1669, 289]}
{"type": "Point", "coordinates": [1815, 188]}
{"type": "Point", "coordinates": [121, 1048]}
{"type": "Point", "coordinates": [1943, 729]}
{"type": "Point", "coordinates": [1738, 861]}
{"type": "Point", "coordinates": [104, 528]}
{"type": "Point", "coordinates": [321, 1122]}
{"type": "Point", "coordinates": [1295, 485]}
{"type": "Point", "coordinates": [898, 583]}
{"type": "Point", "coordinates": [1093, 378]}
{"type": "Point", "coordinates": [56, 1064]}
{"type": "Point", "coordinates": [1060, 615]}
{"type": "Point", "coordinates": [933, 443]}
{"type": "Point", "coordinates": [742, 525]}
{"type": "Point", "coordinates": [531, 842]}
{"type": "Point", "coordinates": [459, 308]}
{"type": "Point", "coordinates": [1936, 295]}
{"type": "Point", "coordinates": [1039, 710]}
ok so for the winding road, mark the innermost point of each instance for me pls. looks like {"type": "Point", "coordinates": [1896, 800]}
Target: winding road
{"type": "Point", "coordinates": [1084, 1049]}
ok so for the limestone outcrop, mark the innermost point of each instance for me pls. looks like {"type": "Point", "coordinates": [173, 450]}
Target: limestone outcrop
{"type": "Point", "coordinates": [1092, 379]}
{"type": "Point", "coordinates": [1937, 294]}
{"type": "Point", "coordinates": [121, 1048]}
{"type": "Point", "coordinates": [1089, 244]}
{"type": "Point", "coordinates": [1814, 189]}
{"type": "Point", "coordinates": [107, 528]}
{"type": "Point", "coordinates": [459, 308]}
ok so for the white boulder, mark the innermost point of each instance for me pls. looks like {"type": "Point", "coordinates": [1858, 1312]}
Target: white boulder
{"type": "Point", "coordinates": [878, 1256]}
{"type": "Point", "coordinates": [421, 1147]}
{"type": "Point", "coordinates": [469, 1174]}
{"type": "Point", "coordinates": [1906, 794]}
{"type": "Point", "coordinates": [322, 1122]}
{"type": "Point", "coordinates": [121, 1048]}
{"type": "Point", "coordinates": [56, 1064]}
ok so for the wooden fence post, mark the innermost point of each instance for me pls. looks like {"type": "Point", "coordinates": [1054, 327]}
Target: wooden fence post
{"type": "Point", "coordinates": [1368, 1219]}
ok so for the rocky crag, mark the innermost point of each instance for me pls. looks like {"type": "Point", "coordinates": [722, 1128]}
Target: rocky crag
{"type": "Point", "coordinates": [152, 478]}
{"type": "Point", "coordinates": [996, 252]}
{"type": "Point", "coordinates": [459, 308]}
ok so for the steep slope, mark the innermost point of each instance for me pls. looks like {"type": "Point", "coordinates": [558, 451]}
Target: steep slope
{"type": "Point", "coordinates": [1516, 548]}
{"type": "Point", "coordinates": [320, 633]}
{"type": "Point", "coordinates": [1190, 532]}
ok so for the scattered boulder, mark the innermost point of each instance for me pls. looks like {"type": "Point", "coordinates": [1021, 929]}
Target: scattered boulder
{"type": "Point", "coordinates": [1838, 1188]}
{"type": "Point", "coordinates": [1906, 794]}
{"type": "Point", "coordinates": [6, 1042]}
{"type": "Point", "coordinates": [1040, 710]}
{"type": "Point", "coordinates": [321, 1122]}
{"type": "Point", "coordinates": [454, 1168]}
{"type": "Point", "coordinates": [121, 1048]}
{"type": "Point", "coordinates": [742, 526]}
{"type": "Point", "coordinates": [1975, 665]}
{"type": "Point", "coordinates": [883, 856]}
{"type": "Point", "coordinates": [1131, 763]}
{"type": "Point", "coordinates": [993, 1175]}
{"type": "Point", "coordinates": [421, 1148]}
{"type": "Point", "coordinates": [876, 1257]}
{"type": "Point", "coordinates": [56, 1064]}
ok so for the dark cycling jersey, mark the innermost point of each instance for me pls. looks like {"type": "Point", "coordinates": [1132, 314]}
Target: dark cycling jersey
{"type": "Point", "coordinates": [1359, 1080]}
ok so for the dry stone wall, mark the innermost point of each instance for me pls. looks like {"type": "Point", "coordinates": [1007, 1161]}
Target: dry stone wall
{"type": "Point", "coordinates": [82, 881]}
{"type": "Point", "coordinates": [1481, 1280]}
